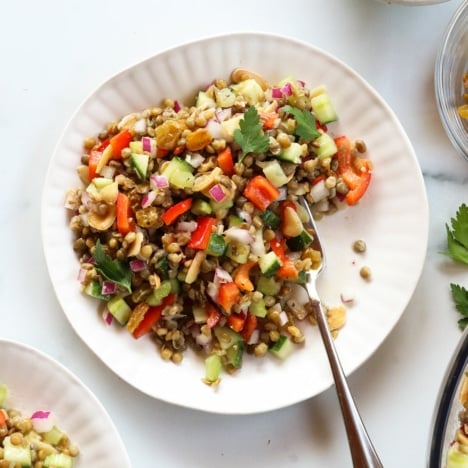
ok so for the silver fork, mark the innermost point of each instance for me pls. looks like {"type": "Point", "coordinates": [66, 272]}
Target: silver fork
{"type": "Point", "coordinates": [362, 450]}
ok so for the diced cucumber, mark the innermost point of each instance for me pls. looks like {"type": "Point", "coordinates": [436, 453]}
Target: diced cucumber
{"type": "Point", "coordinates": [204, 100]}
{"type": "Point", "coordinates": [54, 436]}
{"type": "Point", "coordinates": [140, 163]}
{"type": "Point", "coordinates": [234, 354]}
{"type": "Point", "coordinates": [213, 368]}
{"type": "Point", "coordinates": [201, 207]}
{"type": "Point", "coordinates": [282, 348]}
{"type": "Point", "coordinates": [136, 147]}
{"type": "Point", "coordinates": [94, 289]}
{"type": "Point", "coordinates": [200, 314]}
{"type": "Point", "coordinates": [271, 219]}
{"type": "Point", "coordinates": [223, 205]}
{"type": "Point", "coordinates": [324, 146]}
{"type": "Point", "coordinates": [179, 173]}
{"type": "Point", "coordinates": [58, 460]}
{"type": "Point", "coordinates": [237, 251]}
{"type": "Point", "coordinates": [234, 221]}
{"type": "Point", "coordinates": [225, 97]}
{"type": "Point", "coordinates": [268, 286]}
{"type": "Point", "coordinates": [216, 245]}
{"type": "Point", "coordinates": [175, 286]}
{"type": "Point", "coordinates": [162, 267]}
{"type": "Point", "coordinates": [158, 294]}
{"type": "Point", "coordinates": [16, 454]}
{"type": "Point", "coordinates": [250, 90]}
{"type": "Point", "coordinates": [101, 182]}
{"type": "Point", "coordinates": [292, 154]}
{"type": "Point", "coordinates": [226, 337]}
{"type": "Point", "coordinates": [258, 308]}
{"type": "Point", "coordinates": [119, 309]}
{"type": "Point", "coordinates": [323, 109]}
{"type": "Point", "coordinates": [275, 174]}
{"type": "Point", "coordinates": [456, 458]}
{"type": "Point", "coordinates": [269, 263]}
{"type": "Point", "coordinates": [300, 242]}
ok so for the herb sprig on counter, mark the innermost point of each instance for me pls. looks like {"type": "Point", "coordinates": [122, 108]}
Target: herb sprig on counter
{"type": "Point", "coordinates": [457, 249]}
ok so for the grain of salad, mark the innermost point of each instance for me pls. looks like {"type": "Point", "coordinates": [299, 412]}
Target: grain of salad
{"type": "Point", "coordinates": [187, 223]}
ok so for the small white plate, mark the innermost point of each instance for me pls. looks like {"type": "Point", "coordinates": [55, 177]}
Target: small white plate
{"type": "Point", "coordinates": [37, 382]}
{"type": "Point", "coordinates": [392, 219]}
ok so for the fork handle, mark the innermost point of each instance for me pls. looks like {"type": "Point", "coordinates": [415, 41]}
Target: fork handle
{"type": "Point", "coordinates": [363, 452]}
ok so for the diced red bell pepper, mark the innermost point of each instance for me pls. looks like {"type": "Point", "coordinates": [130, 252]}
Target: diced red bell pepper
{"type": "Point", "coordinates": [152, 316]}
{"type": "Point", "coordinates": [228, 295]}
{"type": "Point", "coordinates": [201, 236]}
{"type": "Point", "coordinates": [214, 315]}
{"type": "Point", "coordinates": [261, 192]}
{"type": "Point", "coordinates": [93, 160]}
{"type": "Point", "coordinates": [161, 152]}
{"type": "Point", "coordinates": [119, 142]}
{"type": "Point", "coordinates": [225, 161]}
{"type": "Point", "coordinates": [104, 144]}
{"type": "Point", "coordinates": [355, 171]}
{"type": "Point", "coordinates": [3, 418]}
{"type": "Point", "coordinates": [250, 325]}
{"type": "Point", "coordinates": [236, 322]}
{"type": "Point", "coordinates": [176, 210]}
{"type": "Point", "coordinates": [125, 223]}
{"type": "Point", "coordinates": [287, 269]}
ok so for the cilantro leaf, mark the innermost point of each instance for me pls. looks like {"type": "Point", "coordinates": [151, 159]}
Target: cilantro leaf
{"type": "Point", "coordinates": [114, 270]}
{"type": "Point", "coordinates": [457, 236]}
{"type": "Point", "coordinates": [306, 128]}
{"type": "Point", "coordinates": [460, 225]}
{"type": "Point", "coordinates": [250, 136]}
{"type": "Point", "coordinates": [460, 297]}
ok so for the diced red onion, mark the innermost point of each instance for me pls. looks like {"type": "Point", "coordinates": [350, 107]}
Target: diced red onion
{"type": "Point", "coordinates": [214, 127]}
{"type": "Point", "coordinates": [140, 126]}
{"type": "Point", "coordinates": [212, 290]}
{"type": "Point", "coordinates": [148, 199]}
{"type": "Point", "coordinates": [223, 114]}
{"type": "Point", "coordinates": [149, 145]}
{"type": "Point", "coordinates": [108, 287]}
{"type": "Point", "coordinates": [221, 276]}
{"type": "Point", "coordinates": [217, 193]}
{"type": "Point", "coordinates": [159, 181]}
{"type": "Point", "coordinates": [254, 337]}
{"type": "Point", "coordinates": [287, 89]}
{"type": "Point", "coordinates": [177, 106]}
{"type": "Point", "coordinates": [107, 317]}
{"type": "Point", "coordinates": [319, 191]}
{"type": "Point", "coordinates": [247, 217]}
{"type": "Point", "coordinates": [283, 316]}
{"type": "Point", "coordinates": [81, 275]}
{"type": "Point", "coordinates": [276, 93]}
{"type": "Point", "coordinates": [258, 246]}
{"type": "Point", "coordinates": [186, 226]}
{"type": "Point", "coordinates": [347, 296]}
{"type": "Point", "coordinates": [108, 172]}
{"type": "Point", "coordinates": [239, 235]}
{"type": "Point", "coordinates": [283, 193]}
{"type": "Point", "coordinates": [42, 421]}
{"type": "Point", "coordinates": [195, 159]}
{"type": "Point", "coordinates": [137, 264]}
{"type": "Point", "coordinates": [86, 199]}
{"type": "Point", "coordinates": [203, 340]}
{"type": "Point", "coordinates": [301, 83]}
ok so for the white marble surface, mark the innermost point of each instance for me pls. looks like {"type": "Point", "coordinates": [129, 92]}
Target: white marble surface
{"type": "Point", "coordinates": [54, 53]}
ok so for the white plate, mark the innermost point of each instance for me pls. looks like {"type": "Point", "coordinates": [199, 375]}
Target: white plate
{"type": "Point", "coordinates": [393, 220]}
{"type": "Point", "coordinates": [37, 382]}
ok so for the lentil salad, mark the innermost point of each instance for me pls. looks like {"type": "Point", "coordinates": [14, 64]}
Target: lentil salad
{"type": "Point", "coordinates": [34, 441]}
{"type": "Point", "coordinates": [187, 225]}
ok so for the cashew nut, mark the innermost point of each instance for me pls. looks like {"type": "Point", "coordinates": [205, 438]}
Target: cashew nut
{"type": "Point", "coordinates": [242, 74]}
{"type": "Point", "coordinates": [135, 246]}
{"type": "Point", "coordinates": [194, 267]}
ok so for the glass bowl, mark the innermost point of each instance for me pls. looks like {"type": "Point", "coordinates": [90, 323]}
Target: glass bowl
{"type": "Point", "coordinates": [446, 421]}
{"type": "Point", "coordinates": [451, 64]}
